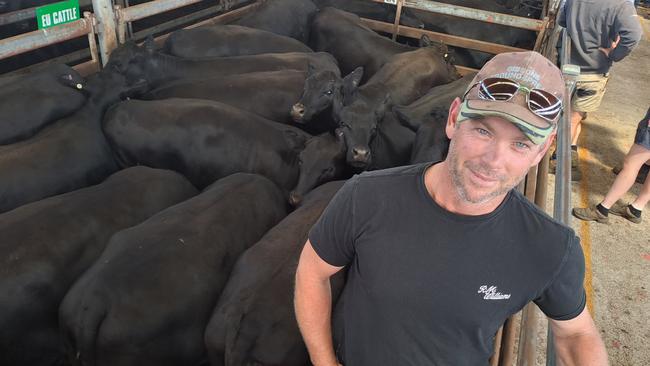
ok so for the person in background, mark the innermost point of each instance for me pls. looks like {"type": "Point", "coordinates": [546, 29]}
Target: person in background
{"type": "Point", "coordinates": [438, 255]}
{"type": "Point", "coordinates": [602, 32]}
{"type": "Point", "coordinates": [639, 153]}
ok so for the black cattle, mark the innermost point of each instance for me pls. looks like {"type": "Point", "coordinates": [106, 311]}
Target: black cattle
{"type": "Point", "coordinates": [322, 160]}
{"type": "Point", "coordinates": [289, 18]}
{"type": "Point", "coordinates": [66, 155]}
{"type": "Point", "coordinates": [206, 140]}
{"type": "Point", "coordinates": [352, 44]}
{"type": "Point", "coordinates": [372, 10]}
{"type": "Point", "coordinates": [47, 245]}
{"type": "Point", "coordinates": [157, 68]}
{"type": "Point", "coordinates": [30, 102]}
{"type": "Point", "coordinates": [270, 94]}
{"type": "Point", "coordinates": [147, 299]}
{"type": "Point", "coordinates": [319, 92]}
{"type": "Point", "coordinates": [254, 322]}
{"type": "Point", "coordinates": [440, 96]}
{"type": "Point", "coordinates": [402, 80]}
{"type": "Point", "coordinates": [229, 40]}
{"type": "Point", "coordinates": [474, 29]}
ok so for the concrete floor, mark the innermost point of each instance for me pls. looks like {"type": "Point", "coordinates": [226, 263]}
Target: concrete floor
{"type": "Point", "coordinates": [617, 254]}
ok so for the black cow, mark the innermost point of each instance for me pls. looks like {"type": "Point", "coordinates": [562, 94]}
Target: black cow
{"type": "Point", "coordinates": [322, 160]}
{"type": "Point", "coordinates": [289, 18]}
{"type": "Point", "coordinates": [157, 68]}
{"type": "Point", "coordinates": [206, 140]}
{"type": "Point", "coordinates": [319, 91]}
{"type": "Point", "coordinates": [30, 102]}
{"type": "Point", "coordinates": [66, 155]}
{"type": "Point", "coordinates": [229, 40]}
{"type": "Point", "coordinates": [405, 78]}
{"type": "Point", "coordinates": [270, 94]}
{"type": "Point", "coordinates": [352, 43]}
{"type": "Point", "coordinates": [372, 10]}
{"type": "Point", "coordinates": [47, 245]}
{"type": "Point", "coordinates": [254, 322]}
{"type": "Point", "coordinates": [147, 299]}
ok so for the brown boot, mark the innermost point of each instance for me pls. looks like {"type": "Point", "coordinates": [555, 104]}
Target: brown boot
{"type": "Point", "coordinates": [623, 210]}
{"type": "Point", "coordinates": [590, 213]}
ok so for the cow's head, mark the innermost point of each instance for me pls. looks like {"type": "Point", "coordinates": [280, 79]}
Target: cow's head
{"type": "Point", "coordinates": [133, 61]}
{"type": "Point", "coordinates": [322, 160]}
{"type": "Point", "coordinates": [320, 90]}
{"type": "Point", "coordinates": [359, 121]}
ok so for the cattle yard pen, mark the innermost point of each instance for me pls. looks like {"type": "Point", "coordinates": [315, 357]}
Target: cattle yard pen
{"type": "Point", "coordinates": [109, 25]}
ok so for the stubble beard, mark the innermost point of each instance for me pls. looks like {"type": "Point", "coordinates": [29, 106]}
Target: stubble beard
{"type": "Point", "coordinates": [462, 189]}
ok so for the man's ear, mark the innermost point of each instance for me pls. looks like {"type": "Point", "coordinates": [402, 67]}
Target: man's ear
{"type": "Point", "coordinates": [544, 147]}
{"type": "Point", "coordinates": [454, 110]}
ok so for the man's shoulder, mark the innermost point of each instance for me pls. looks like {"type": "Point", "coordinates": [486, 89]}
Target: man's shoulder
{"type": "Point", "coordinates": [391, 174]}
{"type": "Point", "coordinates": [538, 220]}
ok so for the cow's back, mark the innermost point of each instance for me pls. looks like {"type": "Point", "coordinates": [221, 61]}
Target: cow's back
{"type": "Point", "coordinates": [48, 244]}
{"type": "Point", "coordinates": [147, 299]}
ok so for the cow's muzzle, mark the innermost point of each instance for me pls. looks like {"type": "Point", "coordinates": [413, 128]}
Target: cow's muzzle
{"type": "Point", "coordinates": [298, 113]}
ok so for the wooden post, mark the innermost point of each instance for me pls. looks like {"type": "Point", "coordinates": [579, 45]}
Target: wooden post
{"type": "Point", "coordinates": [92, 43]}
{"type": "Point", "coordinates": [398, 15]}
{"type": "Point", "coordinates": [105, 15]}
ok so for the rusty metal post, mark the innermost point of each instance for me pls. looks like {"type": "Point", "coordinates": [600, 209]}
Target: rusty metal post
{"type": "Point", "coordinates": [398, 15]}
{"type": "Point", "coordinates": [26, 42]}
{"type": "Point", "coordinates": [494, 360]}
{"type": "Point", "coordinates": [106, 28]}
{"type": "Point", "coordinates": [92, 43]}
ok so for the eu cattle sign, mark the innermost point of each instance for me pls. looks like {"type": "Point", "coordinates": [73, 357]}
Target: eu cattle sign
{"type": "Point", "coordinates": [57, 13]}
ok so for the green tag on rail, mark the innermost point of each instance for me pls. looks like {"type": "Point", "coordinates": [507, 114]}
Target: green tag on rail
{"type": "Point", "coordinates": [58, 13]}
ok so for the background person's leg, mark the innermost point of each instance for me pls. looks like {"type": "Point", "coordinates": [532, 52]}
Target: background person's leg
{"type": "Point", "coordinates": [625, 179]}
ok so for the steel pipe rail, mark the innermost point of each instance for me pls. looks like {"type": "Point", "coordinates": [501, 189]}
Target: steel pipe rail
{"type": "Point", "coordinates": [145, 10]}
{"type": "Point", "coordinates": [29, 13]}
{"type": "Point", "coordinates": [471, 13]}
{"type": "Point", "coordinates": [40, 38]}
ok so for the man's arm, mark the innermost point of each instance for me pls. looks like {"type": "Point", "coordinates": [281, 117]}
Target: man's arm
{"type": "Point", "coordinates": [628, 28]}
{"type": "Point", "coordinates": [577, 341]}
{"type": "Point", "coordinates": [313, 305]}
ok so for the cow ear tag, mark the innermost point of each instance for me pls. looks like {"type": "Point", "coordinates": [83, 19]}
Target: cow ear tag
{"type": "Point", "coordinates": [79, 86]}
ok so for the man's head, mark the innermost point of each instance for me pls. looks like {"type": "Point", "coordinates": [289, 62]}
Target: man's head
{"type": "Point", "coordinates": [503, 125]}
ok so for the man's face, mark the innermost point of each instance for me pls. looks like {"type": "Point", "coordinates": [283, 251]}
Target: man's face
{"type": "Point", "coordinates": [488, 157]}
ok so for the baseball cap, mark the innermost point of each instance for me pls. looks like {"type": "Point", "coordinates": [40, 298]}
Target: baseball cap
{"type": "Point", "coordinates": [530, 70]}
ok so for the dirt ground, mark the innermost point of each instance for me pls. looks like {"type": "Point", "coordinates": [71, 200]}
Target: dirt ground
{"type": "Point", "coordinates": [617, 254]}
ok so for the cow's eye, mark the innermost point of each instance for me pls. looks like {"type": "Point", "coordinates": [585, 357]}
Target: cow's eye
{"type": "Point", "coordinates": [329, 92]}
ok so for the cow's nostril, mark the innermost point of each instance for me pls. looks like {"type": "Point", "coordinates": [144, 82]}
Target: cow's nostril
{"type": "Point", "coordinates": [294, 199]}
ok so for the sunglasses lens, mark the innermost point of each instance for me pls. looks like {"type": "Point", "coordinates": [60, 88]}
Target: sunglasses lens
{"type": "Point", "coordinates": [497, 89]}
{"type": "Point", "coordinates": [544, 104]}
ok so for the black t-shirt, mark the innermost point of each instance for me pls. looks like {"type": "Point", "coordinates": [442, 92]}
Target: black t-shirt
{"type": "Point", "coordinates": [429, 287]}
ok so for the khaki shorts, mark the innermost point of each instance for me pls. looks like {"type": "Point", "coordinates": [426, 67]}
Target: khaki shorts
{"type": "Point", "coordinates": [590, 89]}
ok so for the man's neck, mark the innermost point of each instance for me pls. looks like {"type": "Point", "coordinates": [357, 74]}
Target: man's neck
{"type": "Point", "coordinates": [440, 187]}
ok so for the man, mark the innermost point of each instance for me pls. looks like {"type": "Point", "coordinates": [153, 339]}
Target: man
{"type": "Point", "coordinates": [602, 32]}
{"type": "Point", "coordinates": [439, 255]}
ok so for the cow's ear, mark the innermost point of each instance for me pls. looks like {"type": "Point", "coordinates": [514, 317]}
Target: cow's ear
{"type": "Point", "coordinates": [425, 41]}
{"type": "Point", "coordinates": [340, 139]}
{"type": "Point", "coordinates": [353, 79]}
{"type": "Point", "coordinates": [150, 45]}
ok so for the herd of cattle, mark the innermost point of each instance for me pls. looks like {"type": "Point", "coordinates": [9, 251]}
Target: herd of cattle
{"type": "Point", "coordinates": [154, 213]}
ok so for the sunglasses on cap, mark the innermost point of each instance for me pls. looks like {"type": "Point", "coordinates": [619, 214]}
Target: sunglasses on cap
{"type": "Point", "coordinates": [542, 103]}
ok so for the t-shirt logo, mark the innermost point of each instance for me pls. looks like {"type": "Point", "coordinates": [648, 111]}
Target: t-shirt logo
{"type": "Point", "coordinates": [491, 293]}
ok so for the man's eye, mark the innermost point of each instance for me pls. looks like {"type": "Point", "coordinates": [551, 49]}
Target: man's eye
{"type": "Point", "coordinates": [522, 145]}
{"type": "Point", "coordinates": [483, 131]}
